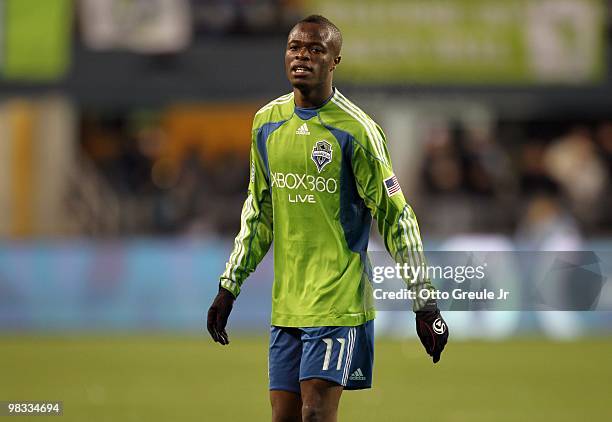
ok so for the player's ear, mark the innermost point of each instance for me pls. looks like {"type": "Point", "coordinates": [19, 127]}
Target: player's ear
{"type": "Point", "coordinates": [336, 62]}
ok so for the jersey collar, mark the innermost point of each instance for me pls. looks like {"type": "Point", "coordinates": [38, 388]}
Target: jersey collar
{"type": "Point", "coordinates": [306, 113]}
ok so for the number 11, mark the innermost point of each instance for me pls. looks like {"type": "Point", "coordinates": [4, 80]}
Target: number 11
{"type": "Point", "coordinates": [330, 343]}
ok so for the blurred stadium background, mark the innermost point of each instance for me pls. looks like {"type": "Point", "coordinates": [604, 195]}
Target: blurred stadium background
{"type": "Point", "coordinates": [124, 135]}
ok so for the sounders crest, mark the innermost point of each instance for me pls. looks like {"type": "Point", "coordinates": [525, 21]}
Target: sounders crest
{"type": "Point", "coordinates": [322, 154]}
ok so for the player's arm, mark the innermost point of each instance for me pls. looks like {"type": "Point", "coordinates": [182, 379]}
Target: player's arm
{"type": "Point", "coordinates": [250, 246]}
{"type": "Point", "coordinates": [397, 224]}
{"type": "Point", "coordinates": [396, 221]}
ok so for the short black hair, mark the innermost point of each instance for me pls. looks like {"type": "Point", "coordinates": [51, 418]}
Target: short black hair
{"type": "Point", "coordinates": [322, 20]}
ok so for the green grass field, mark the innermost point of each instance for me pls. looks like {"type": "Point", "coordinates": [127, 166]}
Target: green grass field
{"type": "Point", "coordinates": [153, 378]}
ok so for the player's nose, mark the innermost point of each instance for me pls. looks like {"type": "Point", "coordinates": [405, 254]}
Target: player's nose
{"type": "Point", "coordinates": [303, 54]}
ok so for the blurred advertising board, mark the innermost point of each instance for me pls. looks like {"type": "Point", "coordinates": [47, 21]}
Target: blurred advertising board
{"type": "Point", "coordinates": [137, 284]}
{"type": "Point", "coordinates": [167, 284]}
{"type": "Point", "coordinates": [469, 41]}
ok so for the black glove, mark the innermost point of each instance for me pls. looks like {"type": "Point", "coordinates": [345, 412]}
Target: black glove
{"type": "Point", "coordinates": [218, 314]}
{"type": "Point", "coordinates": [432, 330]}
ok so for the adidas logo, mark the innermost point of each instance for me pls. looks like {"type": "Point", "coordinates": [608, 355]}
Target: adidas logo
{"type": "Point", "coordinates": [303, 130]}
{"type": "Point", "coordinates": [357, 375]}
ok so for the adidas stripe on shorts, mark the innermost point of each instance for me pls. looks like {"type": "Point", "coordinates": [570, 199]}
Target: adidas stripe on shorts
{"type": "Point", "coordinates": [344, 355]}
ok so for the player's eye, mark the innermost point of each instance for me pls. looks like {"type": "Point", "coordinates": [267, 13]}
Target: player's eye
{"type": "Point", "coordinates": [293, 48]}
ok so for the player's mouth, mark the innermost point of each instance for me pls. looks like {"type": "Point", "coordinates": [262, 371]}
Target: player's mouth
{"type": "Point", "coordinates": [301, 70]}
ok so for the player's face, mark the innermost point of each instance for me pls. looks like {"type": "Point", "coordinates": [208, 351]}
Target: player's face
{"type": "Point", "coordinates": [310, 57]}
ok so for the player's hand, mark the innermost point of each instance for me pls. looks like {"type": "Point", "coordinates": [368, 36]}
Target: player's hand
{"type": "Point", "coordinates": [432, 330]}
{"type": "Point", "coordinates": [218, 314]}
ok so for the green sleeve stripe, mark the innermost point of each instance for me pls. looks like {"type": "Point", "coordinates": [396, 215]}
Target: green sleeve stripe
{"type": "Point", "coordinates": [353, 140]}
{"type": "Point", "coordinates": [373, 135]}
{"type": "Point", "coordinates": [409, 241]}
{"type": "Point", "coordinates": [411, 221]}
{"type": "Point", "coordinates": [255, 225]}
{"type": "Point", "coordinates": [241, 240]}
{"type": "Point", "coordinates": [248, 212]}
{"type": "Point", "coordinates": [368, 152]}
{"type": "Point", "coordinates": [360, 117]}
{"type": "Point", "coordinates": [237, 240]}
{"type": "Point", "coordinates": [280, 100]}
{"type": "Point", "coordinates": [368, 123]}
{"type": "Point", "coordinates": [415, 251]}
{"type": "Point", "coordinates": [410, 226]}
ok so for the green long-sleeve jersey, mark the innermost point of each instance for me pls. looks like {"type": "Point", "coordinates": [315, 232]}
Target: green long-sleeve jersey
{"type": "Point", "coordinates": [318, 175]}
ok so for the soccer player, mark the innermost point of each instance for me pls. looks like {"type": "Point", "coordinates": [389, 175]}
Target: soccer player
{"type": "Point", "coordinates": [320, 170]}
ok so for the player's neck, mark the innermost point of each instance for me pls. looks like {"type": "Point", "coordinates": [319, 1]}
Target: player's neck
{"type": "Point", "coordinates": [312, 98]}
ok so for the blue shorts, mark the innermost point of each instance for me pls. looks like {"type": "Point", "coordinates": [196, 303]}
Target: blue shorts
{"type": "Point", "coordinates": [344, 355]}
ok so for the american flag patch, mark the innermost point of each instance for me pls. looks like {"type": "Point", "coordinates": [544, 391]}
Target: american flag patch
{"type": "Point", "coordinates": [391, 185]}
